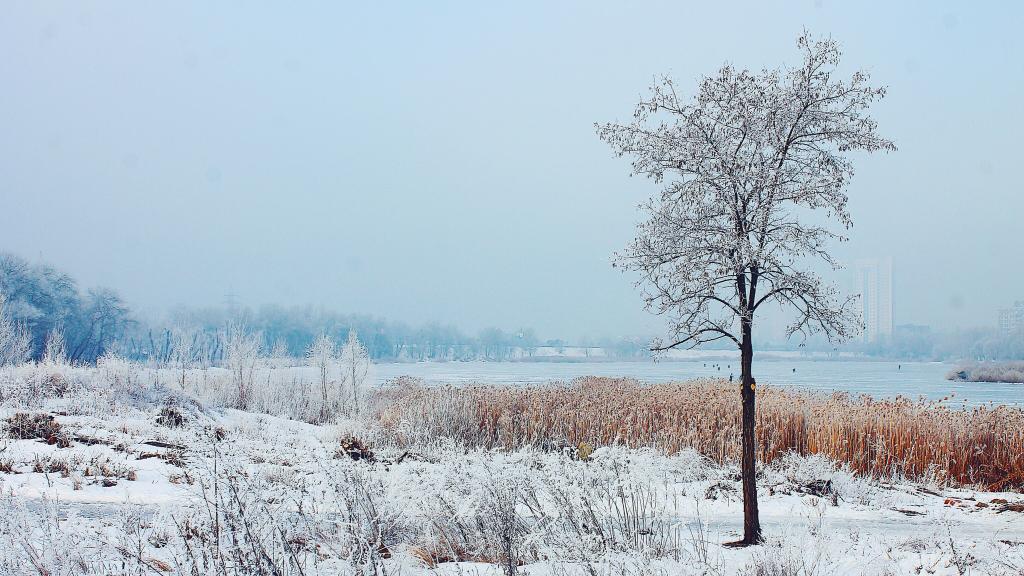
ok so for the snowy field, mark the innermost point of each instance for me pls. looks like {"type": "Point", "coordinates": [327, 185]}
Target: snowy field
{"type": "Point", "coordinates": [141, 475]}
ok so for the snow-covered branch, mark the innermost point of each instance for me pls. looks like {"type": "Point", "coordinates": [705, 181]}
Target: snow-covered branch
{"type": "Point", "coordinates": [742, 164]}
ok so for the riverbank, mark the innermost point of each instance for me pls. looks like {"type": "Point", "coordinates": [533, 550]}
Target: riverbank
{"type": "Point", "coordinates": [120, 471]}
{"type": "Point", "coordinates": [1002, 372]}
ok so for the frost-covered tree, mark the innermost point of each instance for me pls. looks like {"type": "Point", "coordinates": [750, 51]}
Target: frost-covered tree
{"type": "Point", "coordinates": [355, 367]}
{"type": "Point", "coordinates": [183, 352]}
{"type": "Point", "coordinates": [99, 321]}
{"type": "Point", "coordinates": [279, 353]}
{"type": "Point", "coordinates": [753, 167]}
{"type": "Point", "coordinates": [242, 353]}
{"type": "Point", "coordinates": [55, 352]}
{"type": "Point", "coordinates": [321, 355]}
{"type": "Point", "coordinates": [15, 339]}
{"type": "Point", "coordinates": [42, 298]}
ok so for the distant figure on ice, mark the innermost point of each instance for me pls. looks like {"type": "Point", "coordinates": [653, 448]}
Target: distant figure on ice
{"type": "Point", "coordinates": [730, 377]}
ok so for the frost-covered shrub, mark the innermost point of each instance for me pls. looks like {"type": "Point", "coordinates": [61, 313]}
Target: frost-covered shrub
{"type": "Point", "coordinates": [242, 355]}
{"type": "Point", "coordinates": [237, 532]}
{"type": "Point", "coordinates": [55, 352]}
{"type": "Point", "coordinates": [33, 385]}
{"type": "Point", "coordinates": [776, 563]}
{"type": "Point", "coordinates": [504, 530]}
{"type": "Point", "coordinates": [38, 538]}
{"type": "Point", "coordinates": [819, 476]}
{"type": "Point", "coordinates": [321, 356]}
{"type": "Point", "coordinates": [112, 385]}
{"type": "Point", "coordinates": [528, 505]}
{"type": "Point", "coordinates": [15, 338]}
{"type": "Point", "coordinates": [355, 370]}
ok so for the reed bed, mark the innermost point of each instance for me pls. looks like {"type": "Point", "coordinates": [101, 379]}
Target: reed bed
{"type": "Point", "coordinates": [914, 439]}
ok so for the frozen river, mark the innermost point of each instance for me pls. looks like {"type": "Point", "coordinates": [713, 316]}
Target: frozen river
{"type": "Point", "coordinates": [879, 379]}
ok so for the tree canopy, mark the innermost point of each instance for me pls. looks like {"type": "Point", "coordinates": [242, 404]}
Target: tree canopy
{"type": "Point", "coordinates": [743, 163]}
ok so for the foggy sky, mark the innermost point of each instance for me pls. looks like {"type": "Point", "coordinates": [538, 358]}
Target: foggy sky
{"type": "Point", "coordinates": [437, 161]}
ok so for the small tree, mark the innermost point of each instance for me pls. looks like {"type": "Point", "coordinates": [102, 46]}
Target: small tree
{"type": "Point", "coordinates": [321, 356]}
{"type": "Point", "coordinates": [355, 362]}
{"type": "Point", "coordinates": [279, 352]}
{"type": "Point", "coordinates": [55, 352]}
{"type": "Point", "coordinates": [742, 165]}
{"type": "Point", "coordinates": [183, 352]}
{"type": "Point", "coordinates": [15, 339]}
{"type": "Point", "coordinates": [242, 353]}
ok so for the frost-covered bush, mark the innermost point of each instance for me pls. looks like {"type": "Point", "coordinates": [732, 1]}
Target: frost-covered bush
{"type": "Point", "coordinates": [34, 385]}
{"type": "Point", "coordinates": [780, 561]}
{"type": "Point", "coordinates": [113, 384]}
{"type": "Point", "coordinates": [817, 475]}
{"type": "Point", "coordinates": [322, 358]}
{"type": "Point", "coordinates": [33, 541]}
{"type": "Point", "coordinates": [242, 355]}
{"type": "Point", "coordinates": [355, 370]}
{"type": "Point", "coordinates": [528, 505]}
{"type": "Point", "coordinates": [55, 353]}
{"type": "Point", "coordinates": [15, 338]}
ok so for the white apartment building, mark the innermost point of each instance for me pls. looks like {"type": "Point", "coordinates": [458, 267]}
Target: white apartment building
{"type": "Point", "coordinates": [874, 284]}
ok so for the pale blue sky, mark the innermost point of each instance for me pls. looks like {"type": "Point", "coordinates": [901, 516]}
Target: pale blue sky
{"type": "Point", "coordinates": [437, 161]}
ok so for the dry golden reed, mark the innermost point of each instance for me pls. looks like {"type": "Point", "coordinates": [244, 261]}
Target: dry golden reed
{"type": "Point", "coordinates": [882, 438]}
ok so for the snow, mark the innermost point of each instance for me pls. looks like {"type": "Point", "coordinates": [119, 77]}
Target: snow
{"type": "Point", "coordinates": [620, 511]}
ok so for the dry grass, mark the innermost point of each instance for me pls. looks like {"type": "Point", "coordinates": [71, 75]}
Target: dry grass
{"type": "Point", "coordinates": [881, 438]}
{"type": "Point", "coordinates": [22, 426]}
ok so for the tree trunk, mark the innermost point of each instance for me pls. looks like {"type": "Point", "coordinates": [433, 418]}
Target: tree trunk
{"type": "Point", "coordinates": [751, 522]}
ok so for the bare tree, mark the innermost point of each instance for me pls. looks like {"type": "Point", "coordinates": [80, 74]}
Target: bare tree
{"type": "Point", "coordinates": [355, 362]}
{"type": "Point", "coordinates": [15, 339]}
{"type": "Point", "coordinates": [743, 166]}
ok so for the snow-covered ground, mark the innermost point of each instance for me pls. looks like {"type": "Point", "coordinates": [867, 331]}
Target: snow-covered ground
{"type": "Point", "coordinates": [126, 488]}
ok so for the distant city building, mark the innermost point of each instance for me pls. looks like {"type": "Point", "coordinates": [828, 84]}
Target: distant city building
{"type": "Point", "coordinates": [874, 284]}
{"type": "Point", "coordinates": [1011, 320]}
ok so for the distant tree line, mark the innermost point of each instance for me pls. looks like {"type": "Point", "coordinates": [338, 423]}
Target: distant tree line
{"type": "Point", "coordinates": [922, 343]}
{"type": "Point", "coordinates": [40, 300]}
{"type": "Point", "coordinates": [291, 331]}
{"type": "Point", "coordinates": [917, 342]}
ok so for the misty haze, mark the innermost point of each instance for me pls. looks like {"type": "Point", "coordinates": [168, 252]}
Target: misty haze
{"type": "Point", "coordinates": [567, 289]}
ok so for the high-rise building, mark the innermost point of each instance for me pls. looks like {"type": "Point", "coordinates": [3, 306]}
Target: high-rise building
{"type": "Point", "coordinates": [1011, 320]}
{"type": "Point", "coordinates": [874, 283]}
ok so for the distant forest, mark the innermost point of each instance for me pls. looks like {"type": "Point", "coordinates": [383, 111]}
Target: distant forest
{"type": "Point", "coordinates": [96, 320]}
{"type": "Point", "coordinates": [44, 300]}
